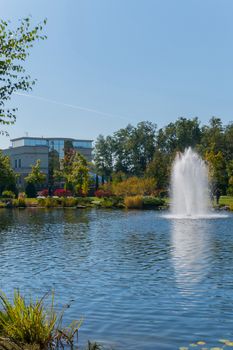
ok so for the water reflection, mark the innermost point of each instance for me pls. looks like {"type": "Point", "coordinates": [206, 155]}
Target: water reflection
{"type": "Point", "coordinates": [190, 252]}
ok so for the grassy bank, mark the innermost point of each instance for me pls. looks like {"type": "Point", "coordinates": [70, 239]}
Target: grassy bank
{"type": "Point", "coordinates": [131, 202]}
{"type": "Point", "coordinates": [226, 201]}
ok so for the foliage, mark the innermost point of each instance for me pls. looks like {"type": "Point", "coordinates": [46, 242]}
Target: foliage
{"type": "Point", "coordinates": [133, 202]}
{"type": "Point", "coordinates": [8, 177]}
{"type": "Point", "coordinates": [19, 203]}
{"type": "Point", "coordinates": [75, 172]}
{"type": "Point", "coordinates": [150, 202]}
{"type": "Point", "coordinates": [15, 45]}
{"type": "Point", "coordinates": [104, 155]}
{"type": "Point", "coordinates": [8, 194]}
{"type": "Point", "coordinates": [217, 169]}
{"type": "Point", "coordinates": [50, 202]}
{"type": "Point", "coordinates": [93, 346]}
{"type": "Point", "coordinates": [142, 151]}
{"type": "Point", "coordinates": [23, 323]}
{"type": "Point", "coordinates": [135, 186]}
{"type": "Point", "coordinates": [36, 176]}
{"type": "Point", "coordinates": [160, 169]}
{"type": "Point", "coordinates": [69, 202]}
{"type": "Point", "coordinates": [104, 191]}
{"type": "Point", "coordinates": [43, 193]}
{"type": "Point", "coordinates": [30, 190]}
{"type": "Point", "coordinates": [60, 192]}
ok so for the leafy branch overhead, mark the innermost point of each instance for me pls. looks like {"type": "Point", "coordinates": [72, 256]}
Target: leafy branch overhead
{"type": "Point", "coordinates": [15, 45]}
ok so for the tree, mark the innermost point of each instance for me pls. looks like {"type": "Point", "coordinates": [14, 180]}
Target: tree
{"type": "Point", "coordinates": [213, 138]}
{"type": "Point", "coordinates": [160, 169]}
{"type": "Point", "coordinates": [75, 172]}
{"type": "Point", "coordinates": [103, 156]}
{"type": "Point", "coordinates": [15, 45]}
{"type": "Point", "coordinates": [179, 135]}
{"type": "Point", "coordinates": [34, 178]}
{"type": "Point", "coordinates": [142, 144]}
{"type": "Point", "coordinates": [217, 170]}
{"type": "Point", "coordinates": [8, 177]}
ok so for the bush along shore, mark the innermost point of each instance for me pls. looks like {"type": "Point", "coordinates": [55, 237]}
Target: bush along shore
{"type": "Point", "coordinates": [114, 202]}
{"type": "Point", "coordinates": [33, 326]}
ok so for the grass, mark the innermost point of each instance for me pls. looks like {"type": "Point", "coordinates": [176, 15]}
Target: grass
{"type": "Point", "coordinates": [31, 326]}
{"type": "Point", "coordinates": [226, 201]}
{"type": "Point", "coordinates": [133, 202]}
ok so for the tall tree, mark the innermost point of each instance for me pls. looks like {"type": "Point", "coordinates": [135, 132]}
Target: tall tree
{"type": "Point", "coordinates": [36, 176]}
{"type": "Point", "coordinates": [103, 156]}
{"type": "Point", "coordinates": [75, 172]}
{"type": "Point", "coordinates": [15, 45]}
{"type": "Point", "coordinates": [8, 177]}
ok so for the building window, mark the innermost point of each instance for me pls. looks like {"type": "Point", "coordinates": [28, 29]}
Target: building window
{"type": "Point", "coordinates": [19, 163]}
{"type": "Point", "coordinates": [15, 163]}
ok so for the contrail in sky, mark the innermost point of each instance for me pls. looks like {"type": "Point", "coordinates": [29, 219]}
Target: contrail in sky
{"type": "Point", "coordinates": [72, 106]}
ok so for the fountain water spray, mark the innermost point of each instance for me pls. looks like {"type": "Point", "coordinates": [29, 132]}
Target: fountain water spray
{"type": "Point", "coordinates": [190, 186]}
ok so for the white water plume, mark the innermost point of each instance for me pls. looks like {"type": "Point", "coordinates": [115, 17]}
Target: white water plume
{"type": "Point", "coordinates": [190, 186]}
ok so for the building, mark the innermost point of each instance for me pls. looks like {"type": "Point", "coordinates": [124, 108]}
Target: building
{"type": "Point", "coordinates": [25, 151]}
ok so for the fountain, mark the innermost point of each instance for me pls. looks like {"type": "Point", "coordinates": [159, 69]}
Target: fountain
{"type": "Point", "coordinates": [190, 186]}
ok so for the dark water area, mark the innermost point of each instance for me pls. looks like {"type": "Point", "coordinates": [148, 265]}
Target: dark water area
{"type": "Point", "coordinates": [138, 279]}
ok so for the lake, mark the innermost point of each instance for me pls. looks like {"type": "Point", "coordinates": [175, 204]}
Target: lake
{"type": "Point", "coordinates": [138, 279]}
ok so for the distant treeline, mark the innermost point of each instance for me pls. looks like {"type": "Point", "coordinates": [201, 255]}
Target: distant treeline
{"type": "Point", "coordinates": [146, 151]}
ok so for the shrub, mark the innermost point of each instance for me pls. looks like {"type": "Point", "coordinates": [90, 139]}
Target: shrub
{"type": "Point", "coordinates": [107, 203]}
{"type": "Point", "coordinates": [101, 193]}
{"type": "Point", "coordinates": [133, 202]}
{"type": "Point", "coordinates": [152, 202]}
{"type": "Point", "coordinates": [60, 192]}
{"type": "Point", "coordinates": [19, 203]}
{"type": "Point", "coordinates": [8, 194]}
{"type": "Point", "coordinates": [135, 186]}
{"type": "Point", "coordinates": [30, 190]}
{"type": "Point", "coordinates": [50, 202]}
{"type": "Point", "coordinates": [21, 195]}
{"type": "Point", "coordinates": [43, 193]}
{"type": "Point", "coordinates": [41, 202]}
{"type": "Point", "coordinates": [69, 202]}
{"type": "Point", "coordinates": [30, 325]}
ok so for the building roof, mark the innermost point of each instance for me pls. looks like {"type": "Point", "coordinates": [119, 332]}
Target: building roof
{"type": "Point", "coordinates": [50, 138]}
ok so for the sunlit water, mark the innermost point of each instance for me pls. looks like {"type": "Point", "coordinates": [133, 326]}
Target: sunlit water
{"type": "Point", "coordinates": [139, 280]}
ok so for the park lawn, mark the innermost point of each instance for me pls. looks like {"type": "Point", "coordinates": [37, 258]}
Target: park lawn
{"type": "Point", "coordinates": [226, 200]}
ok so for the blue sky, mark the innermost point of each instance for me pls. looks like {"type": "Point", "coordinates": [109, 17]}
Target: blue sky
{"type": "Point", "coordinates": [124, 61]}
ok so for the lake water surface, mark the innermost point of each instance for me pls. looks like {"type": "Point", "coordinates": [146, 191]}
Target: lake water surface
{"type": "Point", "coordinates": [139, 280]}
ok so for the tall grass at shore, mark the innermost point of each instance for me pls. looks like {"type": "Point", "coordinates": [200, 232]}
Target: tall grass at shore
{"type": "Point", "coordinates": [32, 326]}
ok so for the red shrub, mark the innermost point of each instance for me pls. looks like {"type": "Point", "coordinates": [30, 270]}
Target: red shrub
{"type": "Point", "coordinates": [60, 192]}
{"type": "Point", "coordinates": [103, 193]}
{"type": "Point", "coordinates": [43, 193]}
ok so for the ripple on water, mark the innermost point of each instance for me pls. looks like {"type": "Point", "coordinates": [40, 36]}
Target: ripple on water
{"type": "Point", "coordinates": [140, 281]}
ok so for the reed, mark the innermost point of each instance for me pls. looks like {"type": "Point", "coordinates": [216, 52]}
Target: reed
{"type": "Point", "coordinates": [32, 326]}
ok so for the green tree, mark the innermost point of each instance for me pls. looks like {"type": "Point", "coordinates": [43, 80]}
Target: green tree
{"type": "Point", "coordinates": [213, 138]}
{"type": "Point", "coordinates": [36, 176]}
{"type": "Point", "coordinates": [103, 156]}
{"type": "Point", "coordinates": [179, 135]}
{"type": "Point", "coordinates": [8, 177]}
{"type": "Point", "coordinates": [142, 144]}
{"type": "Point", "coordinates": [15, 45]}
{"type": "Point", "coordinates": [75, 172]}
{"type": "Point", "coordinates": [160, 169]}
{"type": "Point", "coordinates": [230, 177]}
{"type": "Point", "coordinates": [217, 170]}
